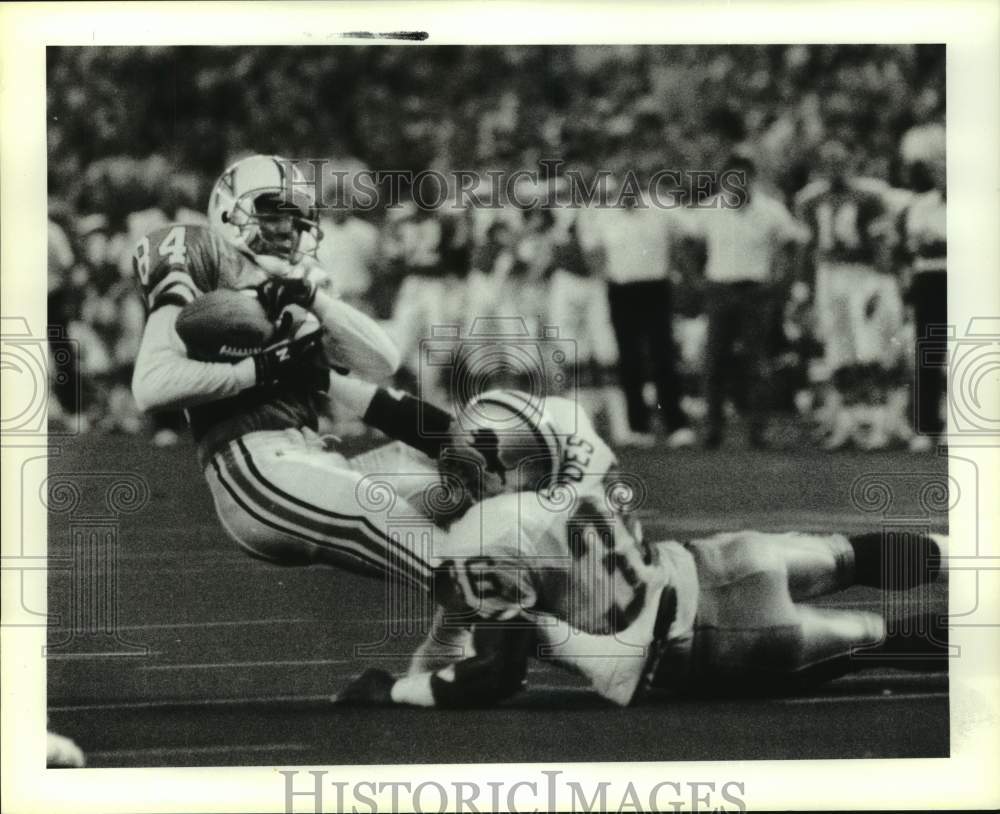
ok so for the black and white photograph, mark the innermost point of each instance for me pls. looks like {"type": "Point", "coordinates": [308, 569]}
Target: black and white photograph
{"type": "Point", "coordinates": [401, 401]}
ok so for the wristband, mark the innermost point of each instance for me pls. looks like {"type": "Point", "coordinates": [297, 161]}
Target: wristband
{"type": "Point", "coordinates": [413, 421]}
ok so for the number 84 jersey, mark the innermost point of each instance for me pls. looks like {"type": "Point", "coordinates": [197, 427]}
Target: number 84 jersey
{"type": "Point", "coordinates": [177, 263]}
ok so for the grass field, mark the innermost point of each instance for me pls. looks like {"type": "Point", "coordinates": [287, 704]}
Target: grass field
{"type": "Point", "coordinates": [238, 658]}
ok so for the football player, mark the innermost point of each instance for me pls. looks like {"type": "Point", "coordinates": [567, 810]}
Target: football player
{"type": "Point", "coordinates": [278, 490]}
{"type": "Point", "coordinates": [572, 574]}
{"type": "Point", "coordinates": [523, 446]}
{"type": "Point", "coordinates": [858, 307]}
{"type": "Point", "coordinates": [719, 616]}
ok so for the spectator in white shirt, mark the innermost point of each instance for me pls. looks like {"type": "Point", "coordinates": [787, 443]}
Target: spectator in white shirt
{"type": "Point", "coordinates": [922, 250]}
{"type": "Point", "coordinates": [630, 247]}
{"type": "Point", "coordinates": [747, 236]}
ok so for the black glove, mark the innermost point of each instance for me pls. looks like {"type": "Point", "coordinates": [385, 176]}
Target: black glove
{"type": "Point", "coordinates": [370, 689]}
{"type": "Point", "coordinates": [289, 358]}
{"type": "Point", "coordinates": [279, 292]}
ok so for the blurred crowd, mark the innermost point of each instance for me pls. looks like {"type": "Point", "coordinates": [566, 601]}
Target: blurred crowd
{"type": "Point", "coordinates": [138, 135]}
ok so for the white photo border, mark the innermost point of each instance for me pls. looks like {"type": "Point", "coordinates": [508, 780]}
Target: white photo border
{"type": "Point", "coordinates": [970, 31]}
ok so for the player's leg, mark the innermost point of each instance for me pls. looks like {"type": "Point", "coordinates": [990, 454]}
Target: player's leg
{"type": "Point", "coordinates": [751, 638]}
{"type": "Point", "coordinates": [416, 479]}
{"type": "Point", "coordinates": [832, 290]}
{"type": "Point", "coordinates": [747, 627]}
{"type": "Point", "coordinates": [748, 624]}
{"type": "Point", "coordinates": [663, 351]}
{"type": "Point", "coordinates": [605, 347]}
{"type": "Point", "coordinates": [290, 503]}
{"type": "Point", "coordinates": [412, 472]}
{"type": "Point", "coordinates": [837, 642]}
{"type": "Point", "coordinates": [756, 328]}
{"type": "Point", "coordinates": [815, 564]}
{"type": "Point", "coordinates": [828, 633]}
{"type": "Point", "coordinates": [630, 362]}
{"type": "Point", "coordinates": [718, 358]}
{"type": "Point", "coordinates": [819, 564]}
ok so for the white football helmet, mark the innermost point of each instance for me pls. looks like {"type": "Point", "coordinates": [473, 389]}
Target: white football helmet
{"type": "Point", "coordinates": [515, 435]}
{"type": "Point", "coordinates": [264, 206]}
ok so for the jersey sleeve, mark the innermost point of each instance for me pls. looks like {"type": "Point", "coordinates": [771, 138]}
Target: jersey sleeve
{"type": "Point", "coordinates": [176, 264]}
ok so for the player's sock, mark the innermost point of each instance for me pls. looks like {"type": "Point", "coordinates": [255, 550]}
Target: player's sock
{"type": "Point", "coordinates": [917, 642]}
{"type": "Point", "coordinates": [895, 560]}
{"type": "Point", "coordinates": [413, 421]}
{"type": "Point", "coordinates": [414, 689]}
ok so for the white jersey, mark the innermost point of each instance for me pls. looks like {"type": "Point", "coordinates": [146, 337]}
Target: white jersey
{"type": "Point", "coordinates": [585, 461]}
{"type": "Point", "coordinates": [525, 549]}
{"type": "Point", "coordinates": [554, 553]}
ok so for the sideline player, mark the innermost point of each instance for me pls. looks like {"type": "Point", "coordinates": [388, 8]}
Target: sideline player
{"type": "Point", "coordinates": [858, 306]}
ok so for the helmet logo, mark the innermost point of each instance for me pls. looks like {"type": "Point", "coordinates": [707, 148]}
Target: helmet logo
{"type": "Point", "coordinates": [487, 443]}
{"type": "Point", "coordinates": [228, 180]}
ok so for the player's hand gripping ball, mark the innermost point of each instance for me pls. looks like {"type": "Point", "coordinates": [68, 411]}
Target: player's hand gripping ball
{"type": "Point", "coordinates": [277, 294]}
{"type": "Point", "coordinates": [224, 325]}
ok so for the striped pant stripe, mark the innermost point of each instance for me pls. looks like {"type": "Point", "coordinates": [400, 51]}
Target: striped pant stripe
{"type": "Point", "coordinates": [372, 531]}
{"type": "Point", "coordinates": [360, 542]}
{"type": "Point", "coordinates": [248, 503]}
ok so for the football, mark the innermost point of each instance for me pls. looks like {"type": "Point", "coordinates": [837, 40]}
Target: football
{"type": "Point", "coordinates": [224, 325]}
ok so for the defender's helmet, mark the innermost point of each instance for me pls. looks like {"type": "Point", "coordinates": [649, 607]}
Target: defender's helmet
{"type": "Point", "coordinates": [517, 438]}
{"type": "Point", "coordinates": [263, 205]}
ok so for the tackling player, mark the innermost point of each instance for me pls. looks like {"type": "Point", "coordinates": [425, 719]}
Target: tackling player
{"type": "Point", "coordinates": [572, 573]}
{"type": "Point", "coordinates": [722, 616]}
{"type": "Point", "coordinates": [523, 446]}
